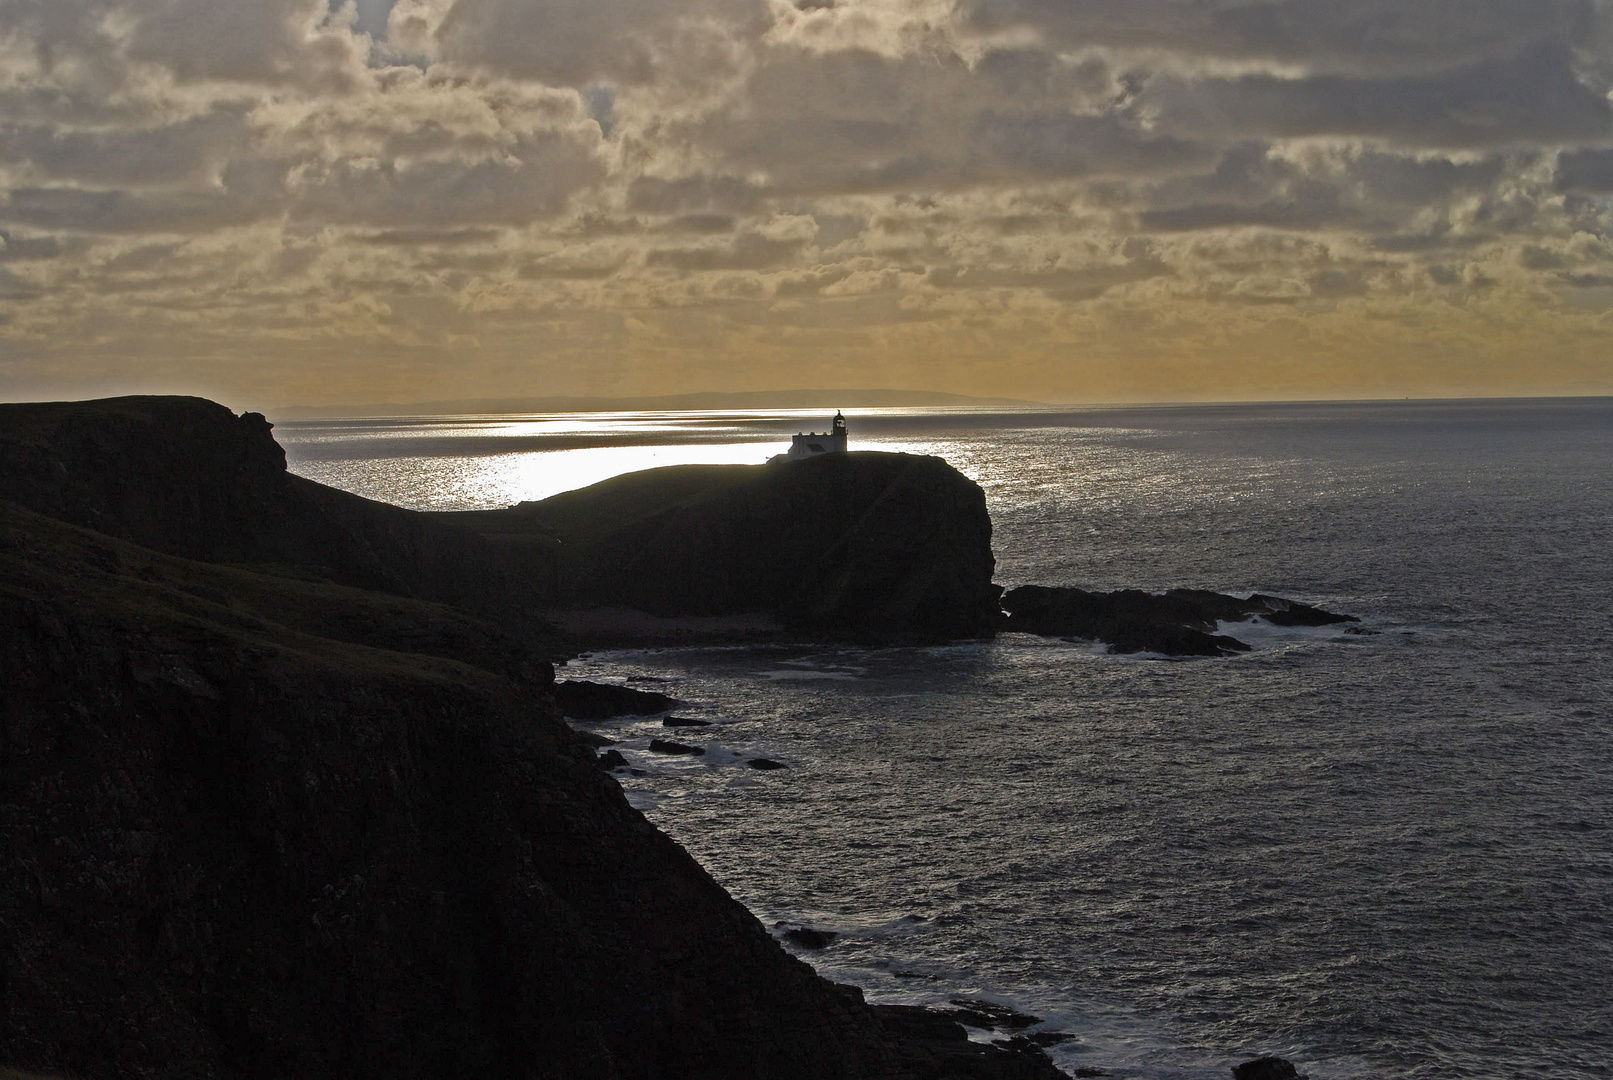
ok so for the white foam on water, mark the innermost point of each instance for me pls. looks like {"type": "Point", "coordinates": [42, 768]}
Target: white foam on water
{"type": "Point", "coordinates": [1260, 634]}
{"type": "Point", "coordinates": [1106, 1037]}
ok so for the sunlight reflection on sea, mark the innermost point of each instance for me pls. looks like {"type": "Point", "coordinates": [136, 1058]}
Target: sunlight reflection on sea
{"type": "Point", "coordinates": [485, 462]}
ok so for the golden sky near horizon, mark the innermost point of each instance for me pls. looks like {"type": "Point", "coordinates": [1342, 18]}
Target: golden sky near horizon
{"type": "Point", "coordinates": [277, 202]}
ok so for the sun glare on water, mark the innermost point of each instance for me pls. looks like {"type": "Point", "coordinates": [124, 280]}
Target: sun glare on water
{"type": "Point", "coordinates": [478, 463]}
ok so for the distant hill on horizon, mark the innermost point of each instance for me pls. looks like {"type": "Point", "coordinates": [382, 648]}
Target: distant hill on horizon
{"type": "Point", "coordinates": [751, 399]}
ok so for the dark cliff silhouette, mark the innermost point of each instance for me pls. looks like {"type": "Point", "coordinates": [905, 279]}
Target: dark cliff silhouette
{"type": "Point", "coordinates": [188, 477]}
{"type": "Point", "coordinates": [864, 546]}
{"type": "Point", "coordinates": [262, 820]}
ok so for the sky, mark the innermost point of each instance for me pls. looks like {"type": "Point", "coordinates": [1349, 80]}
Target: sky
{"type": "Point", "coordinates": [276, 202]}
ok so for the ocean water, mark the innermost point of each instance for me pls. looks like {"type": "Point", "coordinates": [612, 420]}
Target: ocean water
{"type": "Point", "coordinates": [1378, 855]}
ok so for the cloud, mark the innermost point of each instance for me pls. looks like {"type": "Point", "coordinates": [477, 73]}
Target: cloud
{"type": "Point", "coordinates": [1585, 170]}
{"type": "Point", "coordinates": [1534, 98]}
{"type": "Point", "coordinates": [533, 182]}
{"type": "Point", "coordinates": [859, 121]}
{"type": "Point", "coordinates": [1022, 196]}
{"type": "Point", "coordinates": [1322, 36]}
{"type": "Point", "coordinates": [693, 193]}
{"type": "Point", "coordinates": [191, 151]}
{"type": "Point", "coordinates": [575, 42]}
{"type": "Point", "coordinates": [264, 42]}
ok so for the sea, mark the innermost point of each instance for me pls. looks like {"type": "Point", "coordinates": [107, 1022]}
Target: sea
{"type": "Point", "coordinates": [1376, 854]}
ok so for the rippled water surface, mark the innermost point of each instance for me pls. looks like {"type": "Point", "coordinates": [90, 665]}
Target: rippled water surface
{"type": "Point", "coordinates": [1376, 855]}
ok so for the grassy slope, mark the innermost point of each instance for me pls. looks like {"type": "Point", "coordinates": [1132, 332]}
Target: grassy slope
{"type": "Point", "coordinates": [37, 422]}
{"type": "Point", "coordinates": [360, 631]}
{"type": "Point", "coordinates": [589, 514]}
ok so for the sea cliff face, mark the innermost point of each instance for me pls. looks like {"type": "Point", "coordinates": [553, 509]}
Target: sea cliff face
{"type": "Point", "coordinates": [264, 824]}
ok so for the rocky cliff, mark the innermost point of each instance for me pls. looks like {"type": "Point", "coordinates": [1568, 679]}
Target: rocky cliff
{"type": "Point", "coordinates": [263, 824]}
{"type": "Point", "coordinates": [863, 546]}
{"type": "Point", "coordinates": [188, 477]}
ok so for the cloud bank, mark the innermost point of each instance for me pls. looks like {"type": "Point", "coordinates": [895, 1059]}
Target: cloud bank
{"type": "Point", "coordinates": [280, 201]}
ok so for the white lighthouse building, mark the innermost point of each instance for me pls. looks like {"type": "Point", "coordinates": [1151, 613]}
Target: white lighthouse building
{"type": "Point", "coordinates": [811, 444]}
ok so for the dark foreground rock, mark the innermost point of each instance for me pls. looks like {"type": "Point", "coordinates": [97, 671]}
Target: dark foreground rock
{"type": "Point", "coordinates": [860, 546]}
{"type": "Point", "coordinates": [990, 1016]}
{"type": "Point", "coordinates": [260, 823]}
{"type": "Point", "coordinates": [583, 700]}
{"type": "Point", "coordinates": [231, 848]}
{"type": "Point", "coordinates": [1178, 623]}
{"type": "Point", "coordinates": [940, 1044]}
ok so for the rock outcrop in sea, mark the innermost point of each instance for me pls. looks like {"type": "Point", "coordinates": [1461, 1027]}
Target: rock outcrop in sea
{"type": "Point", "coordinates": [284, 792]}
{"type": "Point", "coordinates": [1178, 623]}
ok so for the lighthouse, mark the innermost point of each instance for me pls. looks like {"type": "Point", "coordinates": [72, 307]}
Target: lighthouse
{"type": "Point", "coordinates": [811, 444]}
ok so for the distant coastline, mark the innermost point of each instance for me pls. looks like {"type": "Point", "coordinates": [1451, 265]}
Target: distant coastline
{"type": "Point", "coordinates": [751, 399]}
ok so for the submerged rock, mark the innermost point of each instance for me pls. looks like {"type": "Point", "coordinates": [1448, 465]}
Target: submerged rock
{"type": "Point", "coordinates": [1177, 623]}
{"type": "Point", "coordinates": [1266, 1068]}
{"type": "Point", "coordinates": [667, 746]}
{"type": "Point", "coordinates": [766, 763]}
{"type": "Point", "coordinates": [1137, 637]}
{"type": "Point", "coordinates": [684, 721]}
{"type": "Point", "coordinates": [809, 938]}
